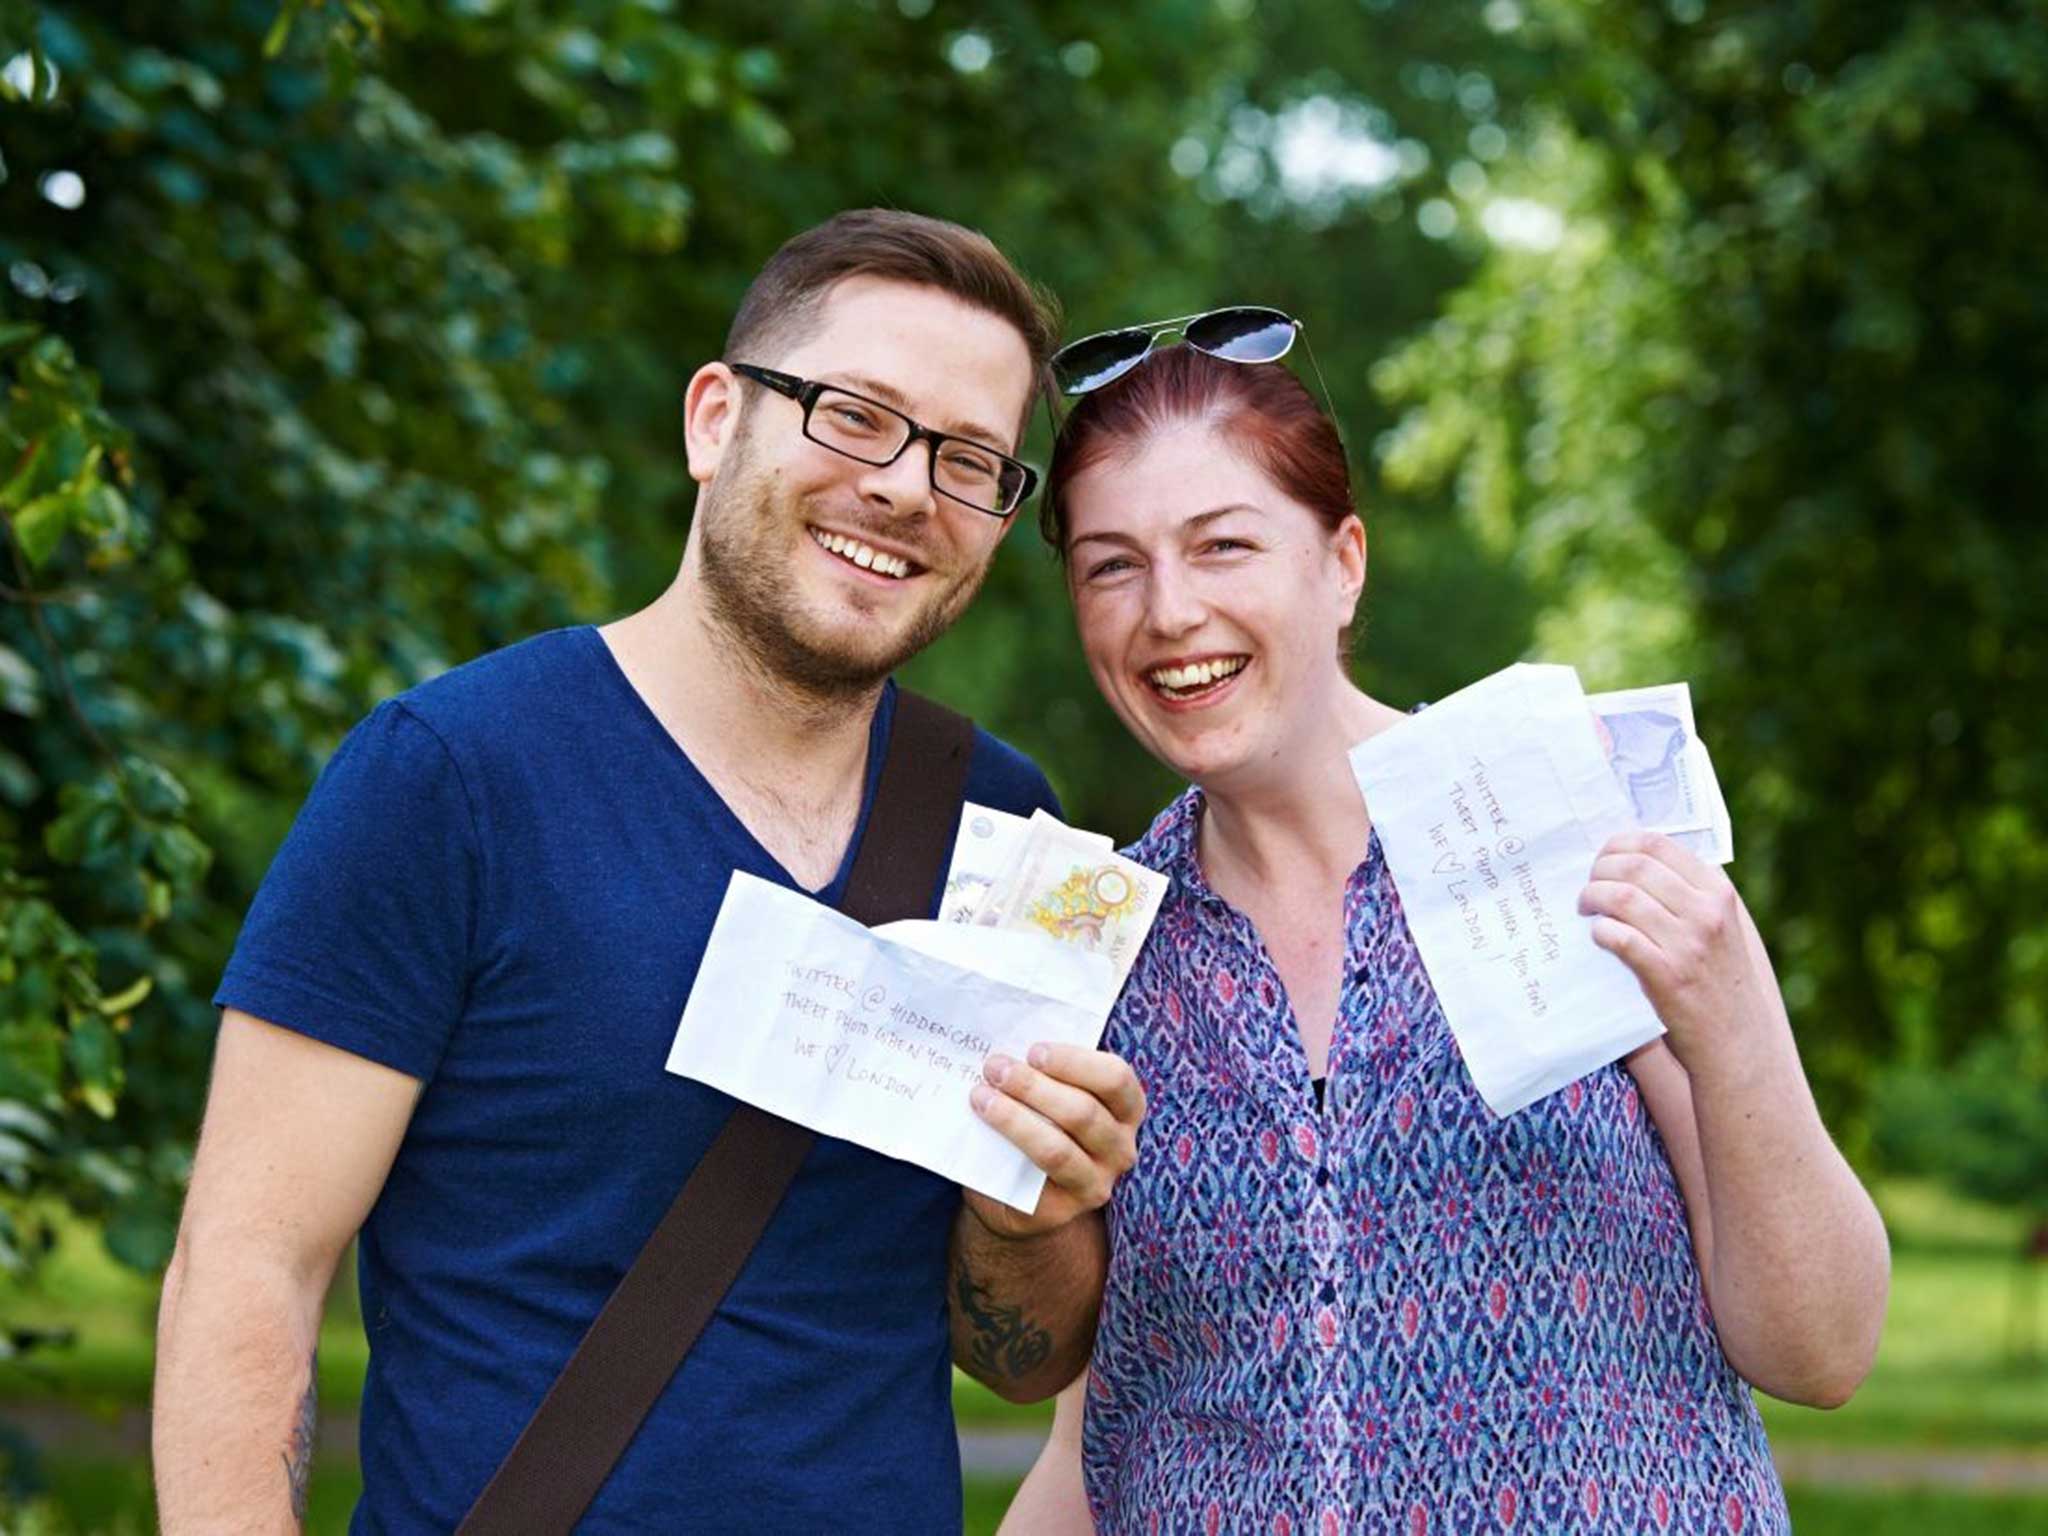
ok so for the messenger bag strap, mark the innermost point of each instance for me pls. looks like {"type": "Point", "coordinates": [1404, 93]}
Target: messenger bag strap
{"type": "Point", "coordinates": [596, 1405]}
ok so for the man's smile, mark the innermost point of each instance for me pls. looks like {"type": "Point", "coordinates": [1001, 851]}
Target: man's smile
{"type": "Point", "coordinates": [865, 556]}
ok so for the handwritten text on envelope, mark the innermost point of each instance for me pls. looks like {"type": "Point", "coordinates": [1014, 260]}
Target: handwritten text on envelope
{"type": "Point", "coordinates": [1491, 807]}
{"type": "Point", "coordinates": [877, 1036]}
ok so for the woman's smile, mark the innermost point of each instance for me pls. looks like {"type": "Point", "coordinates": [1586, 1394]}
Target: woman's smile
{"type": "Point", "coordinates": [1197, 682]}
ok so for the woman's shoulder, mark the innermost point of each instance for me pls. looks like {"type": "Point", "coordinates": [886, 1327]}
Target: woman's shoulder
{"type": "Point", "coordinates": [1171, 836]}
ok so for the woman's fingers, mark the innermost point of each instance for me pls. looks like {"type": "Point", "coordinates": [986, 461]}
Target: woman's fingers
{"type": "Point", "coordinates": [1643, 869]}
{"type": "Point", "coordinates": [1624, 901]}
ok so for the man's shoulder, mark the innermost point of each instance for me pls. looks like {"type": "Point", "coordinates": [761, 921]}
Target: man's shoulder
{"type": "Point", "coordinates": [525, 683]}
{"type": "Point", "coordinates": [1001, 776]}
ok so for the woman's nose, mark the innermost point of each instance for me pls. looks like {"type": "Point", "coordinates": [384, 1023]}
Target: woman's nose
{"type": "Point", "coordinates": [1172, 605]}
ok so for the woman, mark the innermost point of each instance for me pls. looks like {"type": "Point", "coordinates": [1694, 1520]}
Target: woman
{"type": "Point", "coordinates": [1343, 1295]}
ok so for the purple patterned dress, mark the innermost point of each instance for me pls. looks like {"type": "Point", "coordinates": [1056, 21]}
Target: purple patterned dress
{"type": "Point", "coordinates": [1398, 1313]}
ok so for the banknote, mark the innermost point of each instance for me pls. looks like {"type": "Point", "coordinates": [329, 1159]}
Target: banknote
{"type": "Point", "coordinates": [1655, 752]}
{"type": "Point", "coordinates": [1070, 885]}
{"type": "Point", "coordinates": [984, 848]}
{"type": "Point", "coordinates": [1717, 842]}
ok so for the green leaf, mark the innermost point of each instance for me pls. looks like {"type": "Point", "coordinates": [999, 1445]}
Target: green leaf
{"type": "Point", "coordinates": [156, 792]}
{"type": "Point", "coordinates": [17, 489]}
{"type": "Point", "coordinates": [20, 1120]}
{"type": "Point", "coordinates": [105, 514]}
{"type": "Point", "coordinates": [128, 997]}
{"type": "Point", "coordinates": [94, 1052]}
{"type": "Point", "coordinates": [15, 333]}
{"type": "Point", "coordinates": [280, 32]}
{"type": "Point", "coordinates": [39, 527]}
{"type": "Point", "coordinates": [20, 684]}
{"type": "Point", "coordinates": [181, 855]}
{"type": "Point", "coordinates": [16, 1158]}
{"type": "Point", "coordinates": [31, 1059]}
{"type": "Point", "coordinates": [142, 1234]}
{"type": "Point", "coordinates": [64, 837]}
{"type": "Point", "coordinates": [72, 454]}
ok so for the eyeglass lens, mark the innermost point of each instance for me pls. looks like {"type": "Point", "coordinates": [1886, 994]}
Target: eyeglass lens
{"type": "Point", "coordinates": [874, 434]}
{"type": "Point", "coordinates": [1246, 335]}
{"type": "Point", "coordinates": [1095, 361]}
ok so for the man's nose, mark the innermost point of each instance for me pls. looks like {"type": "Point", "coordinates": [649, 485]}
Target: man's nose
{"type": "Point", "coordinates": [902, 487]}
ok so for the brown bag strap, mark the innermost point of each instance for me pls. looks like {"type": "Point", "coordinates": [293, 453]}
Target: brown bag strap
{"type": "Point", "coordinates": [594, 1409]}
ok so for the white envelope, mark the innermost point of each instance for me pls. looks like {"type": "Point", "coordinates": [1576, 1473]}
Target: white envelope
{"type": "Point", "coordinates": [1491, 807]}
{"type": "Point", "coordinates": [877, 1036]}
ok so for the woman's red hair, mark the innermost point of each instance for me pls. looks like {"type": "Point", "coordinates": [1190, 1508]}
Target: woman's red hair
{"type": "Point", "coordinates": [1261, 407]}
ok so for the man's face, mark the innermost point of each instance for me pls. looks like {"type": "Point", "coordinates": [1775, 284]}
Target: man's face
{"type": "Point", "coordinates": [785, 524]}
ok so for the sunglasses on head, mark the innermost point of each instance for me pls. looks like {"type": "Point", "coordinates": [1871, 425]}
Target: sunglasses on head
{"type": "Point", "coordinates": [1243, 333]}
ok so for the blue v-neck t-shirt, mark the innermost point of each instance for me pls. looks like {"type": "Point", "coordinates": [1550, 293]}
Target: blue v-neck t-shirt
{"type": "Point", "coordinates": [502, 885]}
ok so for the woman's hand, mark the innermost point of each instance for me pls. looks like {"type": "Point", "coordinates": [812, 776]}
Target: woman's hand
{"type": "Point", "coordinates": [1677, 922]}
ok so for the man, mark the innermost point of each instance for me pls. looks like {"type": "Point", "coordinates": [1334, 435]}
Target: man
{"type": "Point", "coordinates": [446, 1019]}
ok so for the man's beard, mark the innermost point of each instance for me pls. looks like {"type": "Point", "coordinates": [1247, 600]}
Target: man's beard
{"type": "Point", "coordinates": [748, 585]}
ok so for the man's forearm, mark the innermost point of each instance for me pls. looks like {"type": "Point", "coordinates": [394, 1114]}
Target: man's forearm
{"type": "Point", "coordinates": [1024, 1308]}
{"type": "Point", "coordinates": [233, 1424]}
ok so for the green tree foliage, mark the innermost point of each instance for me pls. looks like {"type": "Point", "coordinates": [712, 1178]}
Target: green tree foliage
{"type": "Point", "coordinates": [1780, 350]}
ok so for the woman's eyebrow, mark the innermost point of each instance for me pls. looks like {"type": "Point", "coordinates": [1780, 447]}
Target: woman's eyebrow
{"type": "Point", "coordinates": [1203, 519]}
{"type": "Point", "coordinates": [1199, 520]}
{"type": "Point", "coordinates": [1102, 538]}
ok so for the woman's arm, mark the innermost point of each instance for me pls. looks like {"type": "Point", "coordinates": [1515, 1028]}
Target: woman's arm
{"type": "Point", "coordinates": [1051, 1501]}
{"type": "Point", "coordinates": [1790, 1247]}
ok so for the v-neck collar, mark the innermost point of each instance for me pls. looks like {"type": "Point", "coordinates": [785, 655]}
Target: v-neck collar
{"type": "Point", "coordinates": [879, 726]}
{"type": "Point", "coordinates": [1174, 847]}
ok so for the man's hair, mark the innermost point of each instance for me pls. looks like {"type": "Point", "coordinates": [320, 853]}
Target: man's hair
{"type": "Point", "coordinates": [784, 301]}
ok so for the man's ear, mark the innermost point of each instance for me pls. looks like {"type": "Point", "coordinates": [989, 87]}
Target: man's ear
{"type": "Point", "coordinates": [711, 410]}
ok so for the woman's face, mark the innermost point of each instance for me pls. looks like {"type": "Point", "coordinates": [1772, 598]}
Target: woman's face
{"type": "Point", "coordinates": [1209, 603]}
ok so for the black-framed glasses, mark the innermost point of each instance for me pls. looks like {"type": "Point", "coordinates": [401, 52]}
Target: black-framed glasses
{"type": "Point", "coordinates": [870, 432]}
{"type": "Point", "coordinates": [1242, 333]}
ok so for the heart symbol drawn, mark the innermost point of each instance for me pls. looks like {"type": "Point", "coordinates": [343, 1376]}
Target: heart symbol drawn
{"type": "Point", "coordinates": [834, 1055]}
{"type": "Point", "coordinates": [1449, 865]}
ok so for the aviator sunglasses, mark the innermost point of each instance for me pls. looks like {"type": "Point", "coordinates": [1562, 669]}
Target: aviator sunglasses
{"type": "Point", "coordinates": [1242, 333]}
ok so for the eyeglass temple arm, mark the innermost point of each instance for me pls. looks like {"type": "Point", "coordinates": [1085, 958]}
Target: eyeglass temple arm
{"type": "Point", "coordinates": [782, 383]}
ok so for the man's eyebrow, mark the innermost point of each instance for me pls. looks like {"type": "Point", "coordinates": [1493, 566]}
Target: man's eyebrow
{"type": "Point", "coordinates": [889, 395]}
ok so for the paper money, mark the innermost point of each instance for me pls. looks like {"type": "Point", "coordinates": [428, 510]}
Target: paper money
{"type": "Point", "coordinates": [1073, 886]}
{"type": "Point", "coordinates": [1663, 767]}
{"type": "Point", "coordinates": [1717, 842]}
{"type": "Point", "coordinates": [984, 849]}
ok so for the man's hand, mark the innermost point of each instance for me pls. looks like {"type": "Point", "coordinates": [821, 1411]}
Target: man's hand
{"type": "Point", "coordinates": [1073, 1112]}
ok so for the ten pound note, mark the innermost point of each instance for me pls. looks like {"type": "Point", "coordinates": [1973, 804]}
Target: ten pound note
{"type": "Point", "coordinates": [1491, 807]}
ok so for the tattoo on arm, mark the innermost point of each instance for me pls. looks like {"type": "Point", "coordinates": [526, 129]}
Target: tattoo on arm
{"type": "Point", "coordinates": [298, 1453]}
{"type": "Point", "coordinates": [1005, 1342]}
